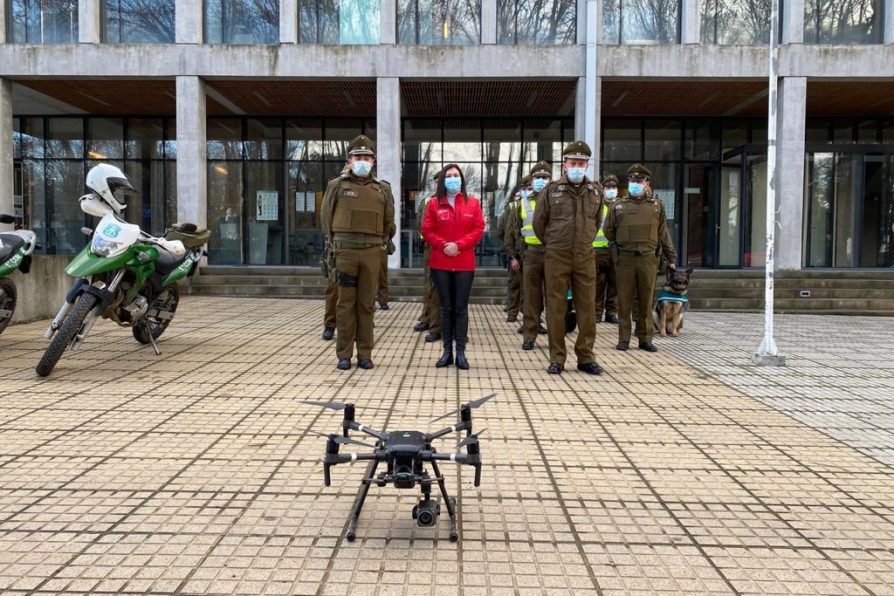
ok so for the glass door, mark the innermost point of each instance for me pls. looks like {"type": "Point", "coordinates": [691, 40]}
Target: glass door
{"type": "Point", "coordinates": [729, 217]}
{"type": "Point", "coordinates": [700, 213]}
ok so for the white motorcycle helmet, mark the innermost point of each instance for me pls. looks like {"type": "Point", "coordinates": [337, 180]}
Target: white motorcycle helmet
{"type": "Point", "coordinates": [106, 180]}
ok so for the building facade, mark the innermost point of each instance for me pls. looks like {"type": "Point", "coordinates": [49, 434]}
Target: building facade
{"type": "Point", "coordinates": [235, 113]}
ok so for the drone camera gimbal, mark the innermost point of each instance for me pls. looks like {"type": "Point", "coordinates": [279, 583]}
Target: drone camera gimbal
{"type": "Point", "coordinates": [405, 454]}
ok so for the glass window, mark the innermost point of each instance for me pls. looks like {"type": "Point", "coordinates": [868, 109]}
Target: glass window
{"type": "Point", "coordinates": [225, 213]}
{"type": "Point", "coordinates": [735, 22]}
{"type": "Point", "coordinates": [263, 138]}
{"type": "Point", "coordinates": [662, 140]}
{"type": "Point", "coordinates": [145, 138]}
{"type": "Point", "coordinates": [64, 218]}
{"type": "Point", "coordinates": [702, 140]}
{"type": "Point", "coordinates": [640, 21]}
{"type": "Point", "coordinates": [345, 22]}
{"type": "Point", "coordinates": [543, 140]}
{"type": "Point", "coordinates": [867, 131]}
{"type": "Point", "coordinates": [138, 21]}
{"type": "Point", "coordinates": [170, 138]}
{"type": "Point", "coordinates": [502, 140]}
{"type": "Point", "coordinates": [842, 21]}
{"type": "Point", "coordinates": [304, 139]}
{"type": "Point", "coordinates": [621, 140]}
{"type": "Point", "coordinates": [439, 23]}
{"type": "Point", "coordinates": [422, 141]}
{"type": "Point", "coordinates": [42, 21]}
{"type": "Point", "coordinates": [544, 22]}
{"type": "Point", "coordinates": [888, 132]}
{"type": "Point", "coordinates": [224, 138]}
{"type": "Point", "coordinates": [65, 138]}
{"type": "Point", "coordinates": [462, 141]}
{"type": "Point", "coordinates": [338, 135]}
{"type": "Point", "coordinates": [734, 134]}
{"type": "Point", "coordinates": [242, 21]}
{"type": "Point", "coordinates": [31, 137]}
{"type": "Point", "coordinates": [817, 131]}
{"type": "Point", "coordinates": [105, 138]}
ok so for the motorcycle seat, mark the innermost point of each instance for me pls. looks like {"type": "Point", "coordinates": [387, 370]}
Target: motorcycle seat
{"type": "Point", "coordinates": [189, 234]}
{"type": "Point", "coordinates": [9, 244]}
{"type": "Point", "coordinates": [167, 261]}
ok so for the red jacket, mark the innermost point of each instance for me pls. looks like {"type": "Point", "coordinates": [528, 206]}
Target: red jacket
{"type": "Point", "coordinates": [463, 224]}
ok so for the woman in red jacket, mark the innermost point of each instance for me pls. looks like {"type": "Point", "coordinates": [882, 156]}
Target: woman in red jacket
{"type": "Point", "coordinates": [453, 225]}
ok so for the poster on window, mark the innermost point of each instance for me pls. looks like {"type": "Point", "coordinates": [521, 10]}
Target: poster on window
{"type": "Point", "coordinates": [268, 205]}
{"type": "Point", "coordinates": [305, 202]}
{"type": "Point", "coordinates": [668, 197]}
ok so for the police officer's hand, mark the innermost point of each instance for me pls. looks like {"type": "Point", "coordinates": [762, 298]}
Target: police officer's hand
{"type": "Point", "coordinates": [514, 265]}
{"type": "Point", "coordinates": [451, 249]}
{"type": "Point", "coordinates": [672, 266]}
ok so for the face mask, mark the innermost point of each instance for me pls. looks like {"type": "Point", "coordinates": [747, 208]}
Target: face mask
{"type": "Point", "coordinates": [636, 189]}
{"type": "Point", "coordinates": [540, 184]}
{"type": "Point", "coordinates": [453, 184]}
{"type": "Point", "coordinates": [575, 175]}
{"type": "Point", "coordinates": [611, 193]}
{"type": "Point", "coordinates": [361, 168]}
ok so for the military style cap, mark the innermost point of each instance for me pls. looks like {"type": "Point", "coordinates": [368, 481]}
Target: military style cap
{"type": "Point", "coordinates": [577, 150]}
{"type": "Point", "coordinates": [639, 169]}
{"type": "Point", "coordinates": [361, 145]}
{"type": "Point", "coordinates": [526, 181]}
{"type": "Point", "coordinates": [610, 179]}
{"type": "Point", "coordinates": [541, 167]}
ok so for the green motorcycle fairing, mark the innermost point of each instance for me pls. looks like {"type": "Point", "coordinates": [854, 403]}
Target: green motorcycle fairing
{"type": "Point", "coordinates": [13, 262]}
{"type": "Point", "coordinates": [87, 264]}
{"type": "Point", "coordinates": [183, 269]}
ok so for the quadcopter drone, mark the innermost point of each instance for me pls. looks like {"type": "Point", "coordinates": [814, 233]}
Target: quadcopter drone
{"type": "Point", "coordinates": [405, 452]}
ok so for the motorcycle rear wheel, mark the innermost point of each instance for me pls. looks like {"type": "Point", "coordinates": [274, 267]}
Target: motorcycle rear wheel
{"type": "Point", "coordinates": [166, 301]}
{"type": "Point", "coordinates": [67, 332]}
{"type": "Point", "coordinates": [8, 298]}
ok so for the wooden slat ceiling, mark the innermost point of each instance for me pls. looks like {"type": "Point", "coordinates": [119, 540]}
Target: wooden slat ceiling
{"type": "Point", "coordinates": [297, 98]}
{"type": "Point", "coordinates": [850, 99]}
{"type": "Point", "coordinates": [684, 98]}
{"type": "Point", "coordinates": [488, 99]}
{"type": "Point", "coordinates": [111, 96]}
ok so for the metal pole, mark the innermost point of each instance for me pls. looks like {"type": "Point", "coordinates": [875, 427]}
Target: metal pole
{"type": "Point", "coordinates": [767, 354]}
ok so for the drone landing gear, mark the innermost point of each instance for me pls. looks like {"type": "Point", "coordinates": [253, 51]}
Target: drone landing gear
{"type": "Point", "coordinates": [425, 514]}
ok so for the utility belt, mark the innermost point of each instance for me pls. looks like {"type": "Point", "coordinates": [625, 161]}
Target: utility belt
{"type": "Point", "coordinates": [636, 253]}
{"type": "Point", "coordinates": [537, 249]}
{"type": "Point", "coordinates": [349, 244]}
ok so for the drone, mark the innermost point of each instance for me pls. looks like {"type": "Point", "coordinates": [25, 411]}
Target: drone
{"type": "Point", "coordinates": [405, 452]}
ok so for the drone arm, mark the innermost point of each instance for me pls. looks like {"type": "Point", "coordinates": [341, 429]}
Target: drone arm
{"type": "Point", "coordinates": [464, 425]}
{"type": "Point", "coordinates": [333, 459]}
{"type": "Point", "coordinates": [469, 459]}
{"type": "Point", "coordinates": [365, 429]}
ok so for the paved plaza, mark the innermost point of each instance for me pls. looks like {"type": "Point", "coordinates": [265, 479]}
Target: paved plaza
{"type": "Point", "coordinates": [686, 471]}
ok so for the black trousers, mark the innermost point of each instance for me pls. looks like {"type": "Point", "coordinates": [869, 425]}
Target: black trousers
{"type": "Point", "coordinates": [453, 289]}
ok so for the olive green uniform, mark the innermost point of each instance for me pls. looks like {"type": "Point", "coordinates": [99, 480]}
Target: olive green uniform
{"type": "Point", "coordinates": [636, 225]}
{"type": "Point", "coordinates": [431, 304]}
{"type": "Point", "coordinates": [331, 301]}
{"type": "Point", "coordinates": [521, 243]}
{"type": "Point", "coordinates": [566, 219]}
{"type": "Point", "coordinates": [514, 280]}
{"type": "Point", "coordinates": [358, 218]}
{"type": "Point", "coordinates": [383, 278]}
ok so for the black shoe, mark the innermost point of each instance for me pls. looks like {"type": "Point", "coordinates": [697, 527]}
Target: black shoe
{"type": "Point", "coordinates": [344, 364]}
{"type": "Point", "coordinates": [328, 332]}
{"type": "Point", "coordinates": [613, 319]}
{"type": "Point", "coordinates": [541, 329]}
{"type": "Point", "coordinates": [446, 358]}
{"type": "Point", "coordinates": [364, 363]}
{"type": "Point", "coordinates": [622, 346]}
{"type": "Point", "coordinates": [432, 336]}
{"type": "Point", "coordinates": [591, 368]}
{"type": "Point", "coordinates": [383, 306]}
{"type": "Point", "coordinates": [521, 329]}
{"type": "Point", "coordinates": [555, 368]}
{"type": "Point", "coordinates": [461, 362]}
{"type": "Point", "coordinates": [598, 318]}
{"type": "Point", "coordinates": [648, 346]}
{"type": "Point", "coordinates": [421, 326]}
{"type": "Point", "coordinates": [527, 345]}
{"type": "Point", "coordinates": [512, 318]}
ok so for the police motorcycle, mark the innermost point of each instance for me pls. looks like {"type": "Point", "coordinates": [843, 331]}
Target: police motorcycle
{"type": "Point", "coordinates": [15, 253]}
{"type": "Point", "coordinates": [123, 274]}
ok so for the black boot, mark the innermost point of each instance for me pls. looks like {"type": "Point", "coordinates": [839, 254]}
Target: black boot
{"type": "Point", "coordinates": [446, 358]}
{"type": "Point", "coordinates": [462, 335]}
{"type": "Point", "coordinates": [461, 362]}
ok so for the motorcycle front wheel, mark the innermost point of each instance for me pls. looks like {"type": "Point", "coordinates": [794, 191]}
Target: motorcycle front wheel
{"type": "Point", "coordinates": [67, 332]}
{"type": "Point", "coordinates": [159, 316]}
{"type": "Point", "coordinates": [7, 302]}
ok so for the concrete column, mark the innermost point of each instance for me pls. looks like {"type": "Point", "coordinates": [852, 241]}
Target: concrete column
{"type": "Point", "coordinates": [488, 22]}
{"type": "Point", "coordinates": [592, 83]}
{"type": "Point", "coordinates": [790, 157]}
{"type": "Point", "coordinates": [388, 22]}
{"type": "Point", "coordinates": [888, 14]}
{"type": "Point", "coordinates": [190, 21]}
{"type": "Point", "coordinates": [288, 21]}
{"type": "Point", "coordinates": [89, 21]}
{"type": "Point", "coordinates": [581, 22]}
{"type": "Point", "coordinates": [192, 164]}
{"type": "Point", "coordinates": [6, 176]}
{"type": "Point", "coordinates": [388, 148]}
{"type": "Point", "coordinates": [792, 21]}
{"type": "Point", "coordinates": [2, 22]}
{"type": "Point", "coordinates": [690, 22]}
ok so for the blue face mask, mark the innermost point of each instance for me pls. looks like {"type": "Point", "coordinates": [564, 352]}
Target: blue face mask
{"type": "Point", "coordinates": [540, 184]}
{"type": "Point", "coordinates": [635, 189]}
{"type": "Point", "coordinates": [361, 168]}
{"type": "Point", "coordinates": [453, 184]}
{"type": "Point", "coordinates": [576, 175]}
{"type": "Point", "coordinates": [611, 193]}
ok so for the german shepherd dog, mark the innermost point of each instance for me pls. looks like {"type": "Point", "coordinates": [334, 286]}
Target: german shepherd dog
{"type": "Point", "coordinates": [672, 303]}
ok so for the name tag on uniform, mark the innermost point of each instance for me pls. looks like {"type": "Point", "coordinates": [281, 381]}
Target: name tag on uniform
{"type": "Point", "coordinates": [467, 215]}
{"type": "Point", "coordinates": [350, 193]}
{"type": "Point", "coordinates": [443, 214]}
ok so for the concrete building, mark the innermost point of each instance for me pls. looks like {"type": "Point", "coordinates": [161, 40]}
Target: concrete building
{"type": "Point", "coordinates": [234, 113]}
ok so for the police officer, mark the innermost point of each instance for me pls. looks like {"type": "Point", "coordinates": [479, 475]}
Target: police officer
{"type": "Point", "coordinates": [514, 273]}
{"type": "Point", "coordinates": [383, 276]}
{"type": "Point", "coordinates": [606, 288]}
{"type": "Point", "coordinates": [430, 318]}
{"type": "Point", "coordinates": [358, 219]}
{"type": "Point", "coordinates": [329, 313]}
{"type": "Point", "coordinates": [637, 224]}
{"type": "Point", "coordinates": [566, 219]}
{"type": "Point", "coordinates": [524, 245]}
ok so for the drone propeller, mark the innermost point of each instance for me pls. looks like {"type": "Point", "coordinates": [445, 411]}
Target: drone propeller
{"type": "Point", "coordinates": [470, 439]}
{"type": "Point", "coordinates": [343, 440]}
{"type": "Point", "coordinates": [335, 405]}
{"type": "Point", "coordinates": [472, 404]}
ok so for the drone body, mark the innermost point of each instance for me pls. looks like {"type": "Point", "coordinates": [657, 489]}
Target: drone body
{"type": "Point", "coordinates": [405, 453]}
